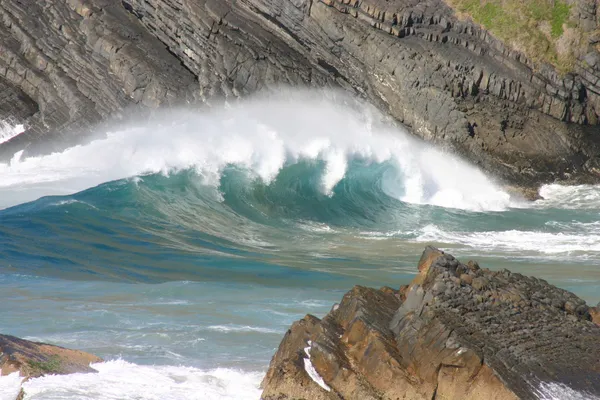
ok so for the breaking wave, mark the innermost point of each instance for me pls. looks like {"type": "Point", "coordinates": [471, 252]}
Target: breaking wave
{"type": "Point", "coordinates": [263, 137]}
{"type": "Point", "coordinates": [118, 379]}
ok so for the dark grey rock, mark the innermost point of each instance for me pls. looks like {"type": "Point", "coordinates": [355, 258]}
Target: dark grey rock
{"type": "Point", "coordinates": [79, 62]}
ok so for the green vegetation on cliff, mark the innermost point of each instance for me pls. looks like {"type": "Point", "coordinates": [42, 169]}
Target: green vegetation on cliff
{"type": "Point", "coordinates": [538, 28]}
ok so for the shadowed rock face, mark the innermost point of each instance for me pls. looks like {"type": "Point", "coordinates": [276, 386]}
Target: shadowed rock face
{"type": "Point", "coordinates": [461, 332]}
{"type": "Point", "coordinates": [82, 61]}
{"type": "Point", "coordinates": [33, 359]}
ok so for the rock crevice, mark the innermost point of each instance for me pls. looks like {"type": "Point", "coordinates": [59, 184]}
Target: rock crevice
{"type": "Point", "coordinates": [444, 76]}
{"type": "Point", "coordinates": [457, 332]}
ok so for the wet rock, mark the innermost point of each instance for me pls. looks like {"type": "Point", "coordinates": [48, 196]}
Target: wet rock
{"type": "Point", "coordinates": [595, 314]}
{"type": "Point", "coordinates": [34, 359]}
{"type": "Point", "coordinates": [499, 341]}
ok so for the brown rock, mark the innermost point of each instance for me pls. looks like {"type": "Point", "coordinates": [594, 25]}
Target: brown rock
{"type": "Point", "coordinates": [473, 265]}
{"type": "Point", "coordinates": [496, 342]}
{"type": "Point", "coordinates": [427, 258]}
{"type": "Point", "coordinates": [34, 359]}
{"type": "Point", "coordinates": [595, 314]}
{"type": "Point", "coordinates": [402, 292]}
{"type": "Point", "coordinates": [466, 279]}
{"type": "Point", "coordinates": [480, 283]}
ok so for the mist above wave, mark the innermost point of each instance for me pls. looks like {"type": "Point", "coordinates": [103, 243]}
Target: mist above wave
{"type": "Point", "coordinates": [9, 129]}
{"type": "Point", "coordinates": [261, 135]}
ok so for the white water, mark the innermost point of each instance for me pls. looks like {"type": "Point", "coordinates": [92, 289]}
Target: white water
{"type": "Point", "coordinates": [570, 197]}
{"type": "Point", "coordinates": [10, 386]}
{"type": "Point", "coordinates": [311, 371]}
{"type": "Point", "coordinates": [261, 135]}
{"type": "Point", "coordinates": [557, 391]}
{"type": "Point", "coordinates": [10, 129]}
{"type": "Point", "coordinates": [121, 380]}
{"type": "Point", "coordinates": [585, 242]}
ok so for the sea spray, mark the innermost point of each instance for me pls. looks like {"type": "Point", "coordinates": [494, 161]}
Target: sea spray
{"type": "Point", "coordinates": [118, 379]}
{"type": "Point", "coordinates": [187, 244]}
{"type": "Point", "coordinates": [10, 129]}
{"type": "Point", "coordinates": [261, 135]}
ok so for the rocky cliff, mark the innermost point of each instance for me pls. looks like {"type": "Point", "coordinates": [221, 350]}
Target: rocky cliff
{"type": "Point", "coordinates": [457, 332]}
{"type": "Point", "coordinates": [65, 65]}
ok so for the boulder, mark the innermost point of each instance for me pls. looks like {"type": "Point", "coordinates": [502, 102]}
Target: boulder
{"type": "Point", "coordinates": [510, 337]}
{"type": "Point", "coordinates": [595, 314]}
{"type": "Point", "coordinates": [34, 359]}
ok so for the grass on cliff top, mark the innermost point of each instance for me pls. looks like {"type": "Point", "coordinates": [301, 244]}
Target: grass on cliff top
{"type": "Point", "coordinates": [538, 28]}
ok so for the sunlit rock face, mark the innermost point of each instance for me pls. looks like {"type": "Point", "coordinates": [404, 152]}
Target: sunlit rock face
{"type": "Point", "coordinates": [456, 332]}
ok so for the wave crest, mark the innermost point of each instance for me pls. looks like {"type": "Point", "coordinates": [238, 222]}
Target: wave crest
{"type": "Point", "coordinates": [262, 136]}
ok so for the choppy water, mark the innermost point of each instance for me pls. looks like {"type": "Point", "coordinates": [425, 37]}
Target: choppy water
{"type": "Point", "coordinates": [182, 247]}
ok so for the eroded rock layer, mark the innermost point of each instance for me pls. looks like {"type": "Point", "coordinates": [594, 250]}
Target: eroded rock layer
{"type": "Point", "coordinates": [453, 83]}
{"type": "Point", "coordinates": [457, 332]}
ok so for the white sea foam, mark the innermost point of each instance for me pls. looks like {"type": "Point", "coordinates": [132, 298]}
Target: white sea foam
{"type": "Point", "coordinates": [558, 391]}
{"type": "Point", "coordinates": [311, 371]}
{"type": "Point", "coordinates": [10, 129]}
{"type": "Point", "coordinates": [261, 135]}
{"type": "Point", "coordinates": [10, 386]}
{"type": "Point", "coordinates": [241, 328]}
{"type": "Point", "coordinates": [516, 241]}
{"type": "Point", "coordinates": [570, 197]}
{"type": "Point", "coordinates": [121, 380]}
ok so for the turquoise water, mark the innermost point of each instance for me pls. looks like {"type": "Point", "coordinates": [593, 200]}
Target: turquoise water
{"type": "Point", "coordinates": [180, 249]}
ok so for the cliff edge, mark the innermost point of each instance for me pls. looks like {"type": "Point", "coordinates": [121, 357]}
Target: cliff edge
{"type": "Point", "coordinates": [526, 116]}
{"type": "Point", "coordinates": [456, 332]}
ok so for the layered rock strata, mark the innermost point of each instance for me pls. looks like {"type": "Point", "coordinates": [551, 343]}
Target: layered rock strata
{"type": "Point", "coordinates": [457, 332]}
{"type": "Point", "coordinates": [83, 61]}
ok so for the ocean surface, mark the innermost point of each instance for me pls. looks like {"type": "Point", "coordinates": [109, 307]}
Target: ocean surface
{"type": "Point", "coordinates": [181, 247]}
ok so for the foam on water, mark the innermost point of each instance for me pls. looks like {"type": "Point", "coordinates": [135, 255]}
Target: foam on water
{"type": "Point", "coordinates": [516, 241]}
{"type": "Point", "coordinates": [558, 391]}
{"type": "Point", "coordinates": [121, 380]}
{"type": "Point", "coordinates": [570, 197]}
{"type": "Point", "coordinates": [240, 328]}
{"type": "Point", "coordinates": [262, 136]}
{"type": "Point", "coordinates": [10, 129]}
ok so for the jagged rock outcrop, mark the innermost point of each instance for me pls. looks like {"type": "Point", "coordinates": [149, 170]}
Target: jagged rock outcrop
{"type": "Point", "coordinates": [457, 332]}
{"type": "Point", "coordinates": [34, 359]}
{"type": "Point", "coordinates": [79, 62]}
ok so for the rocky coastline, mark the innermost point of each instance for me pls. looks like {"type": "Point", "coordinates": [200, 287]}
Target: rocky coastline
{"type": "Point", "coordinates": [35, 359]}
{"type": "Point", "coordinates": [456, 332]}
{"type": "Point", "coordinates": [67, 65]}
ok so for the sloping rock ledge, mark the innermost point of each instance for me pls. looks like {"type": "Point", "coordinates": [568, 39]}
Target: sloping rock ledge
{"type": "Point", "coordinates": [456, 332]}
{"type": "Point", "coordinates": [34, 359]}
